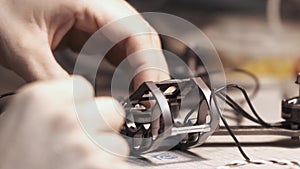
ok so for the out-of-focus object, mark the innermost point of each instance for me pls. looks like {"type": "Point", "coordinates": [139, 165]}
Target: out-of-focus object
{"type": "Point", "coordinates": [247, 42]}
{"type": "Point", "coordinates": [265, 44]}
{"type": "Point", "coordinates": [298, 82]}
{"type": "Point", "coordinates": [297, 66]}
{"type": "Point", "coordinates": [144, 5]}
{"type": "Point", "coordinates": [291, 108]}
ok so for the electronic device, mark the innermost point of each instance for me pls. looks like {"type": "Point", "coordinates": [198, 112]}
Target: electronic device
{"type": "Point", "coordinates": [170, 113]}
{"type": "Point", "coordinates": [291, 109]}
{"type": "Point", "coordinates": [184, 113]}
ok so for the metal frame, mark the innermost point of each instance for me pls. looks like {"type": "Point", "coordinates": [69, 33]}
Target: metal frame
{"type": "Point", "coordinates": [152, 106]}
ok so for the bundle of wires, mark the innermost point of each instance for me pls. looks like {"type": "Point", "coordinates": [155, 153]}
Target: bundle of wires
{"type": "Point", "coordinates": [236, 105]}
{"type": "Point", "coordinates": [238, 109]}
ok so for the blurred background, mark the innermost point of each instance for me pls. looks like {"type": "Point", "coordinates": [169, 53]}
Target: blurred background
{"type": "Point", "coordinates": [260, 36]}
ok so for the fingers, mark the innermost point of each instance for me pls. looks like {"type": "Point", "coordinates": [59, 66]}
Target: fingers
{"type": "Point", "coordinates": [108, 149]}
{"type": "Point", "coordinates": [111, 111]}
{"type": "Point", "coordinates": [76, 93]}
{"type": "Point", "coordinates": [51, 101]}
{"type": "Point", "coordinates": [31, 30]}
{"type": "Point", "coordinates": [126, 25]}
{"type": "Point", "coordinates": [46, 111]}
{"type": "Point", "coordinates": [30, 56]}
{"type": "Point", "coordinates": [113, 144]}
{"type": "Point", "coordinates": [75, 88]}
{"type": "Point", "coordinates": [98, 13]}
{"type": "Point", "coordinates": [150, 66]}
{"type": "Point", "coordinates": [102, 114]}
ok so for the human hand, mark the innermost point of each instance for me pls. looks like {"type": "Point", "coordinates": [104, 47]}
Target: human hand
{"type": "Point", "coordinates": [40, 128]}
{"type": "Point", "coordinates": [32, 29]}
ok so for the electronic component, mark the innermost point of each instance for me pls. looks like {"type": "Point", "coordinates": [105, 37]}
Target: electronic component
{"type": "Point", "coordinates": [291, 109]}
{"type": "Point", "coordinates": [162, 115]}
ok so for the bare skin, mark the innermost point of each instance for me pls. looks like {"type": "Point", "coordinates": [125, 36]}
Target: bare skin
{"type": "Point", "coordinates": [39, 129]}
{"type": "Point", "coordinates": [30, 30]}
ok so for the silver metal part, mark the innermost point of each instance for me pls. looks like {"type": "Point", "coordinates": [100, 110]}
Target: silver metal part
{"type": "Point", "coordinates": [190, 129]}
{"type": "Point", "coordinates": [258, 130]}
{"type": "Point", "coordinates": [180, 114]}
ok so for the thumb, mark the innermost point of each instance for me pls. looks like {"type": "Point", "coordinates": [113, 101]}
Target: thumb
{"type": "Point", "coordinates": [104, 114]}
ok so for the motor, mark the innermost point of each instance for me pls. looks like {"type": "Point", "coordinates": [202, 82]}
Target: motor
{"type": "Point", "coordinates": [167, 114]}
{"type": "Point", "coordinates": [291, 109]}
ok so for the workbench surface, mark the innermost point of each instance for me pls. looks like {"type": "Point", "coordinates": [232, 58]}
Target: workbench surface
{"type": "Point", "coordinates": [220, 151]}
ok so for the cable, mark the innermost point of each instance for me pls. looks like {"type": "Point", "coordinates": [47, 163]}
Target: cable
{"type": "Point", "coordinates": [228, 128]}
{"type": "Point", "coordinates": [219, 92]}
{"type": "Point", "coordinates": [255, 79]}
{"type": "Point", "coordinates": [237, 108]}
{"type": "Point", "coordinates": [241, 111]}
{"type": "Point", "coordinates": [238, 70]}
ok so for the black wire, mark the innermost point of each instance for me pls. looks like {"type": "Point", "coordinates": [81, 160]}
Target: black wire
{"type": "Point", "coordinates": [237, 108]}
{"type": "Point", "coordinates": [255, 79]}
{"type": "Point", "coordinates": [190, 113]}
{"type": "Point", "coordinates": [228, 128]}
{"type": "Point", "coordinates": [236, 105]}
{"type": "Point", "coordinates": [250, 104]}
{"type": "Point", "coordinates": [219, 92]}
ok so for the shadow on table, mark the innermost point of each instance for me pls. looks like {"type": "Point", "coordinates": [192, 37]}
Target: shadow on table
{"type": "Point", "coordinates": [165, 158]}
{"type": "Point", "coordinates": [284, 143]}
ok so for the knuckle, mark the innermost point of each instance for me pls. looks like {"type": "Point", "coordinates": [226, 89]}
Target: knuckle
{"type": "Point", "coordinates": [39, 92]}
{"type": "Point", "coordinates": [64, 120]}
{"type": "Point", "coordinates": [77, 6]}
{"type": "Point", "coordinates": [22, 44]}
{"type": "Point", "coordinates": [81, 149]}
{"type": "Point", "coordinates": [73, 145]}
{"type": "Point", "coordinates": [39, 98]}
{"type": "Point", "coordinates": [33, 92]}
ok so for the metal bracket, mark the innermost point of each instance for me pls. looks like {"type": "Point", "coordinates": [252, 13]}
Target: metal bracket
{"type": "Point", "coordinates": [162, 115]}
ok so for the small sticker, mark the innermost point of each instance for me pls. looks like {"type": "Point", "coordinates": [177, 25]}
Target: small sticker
{"type": "Point", "coordinates": [165, 156]}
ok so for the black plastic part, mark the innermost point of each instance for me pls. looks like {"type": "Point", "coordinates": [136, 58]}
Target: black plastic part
{"type": "Point", "coordinates": [298, 79]}
{"type": "Point", "coordinates": [291, 110]}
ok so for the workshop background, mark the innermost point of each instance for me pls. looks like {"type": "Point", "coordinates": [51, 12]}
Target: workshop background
{"type": "Point", "coordinates": [260, 36]}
